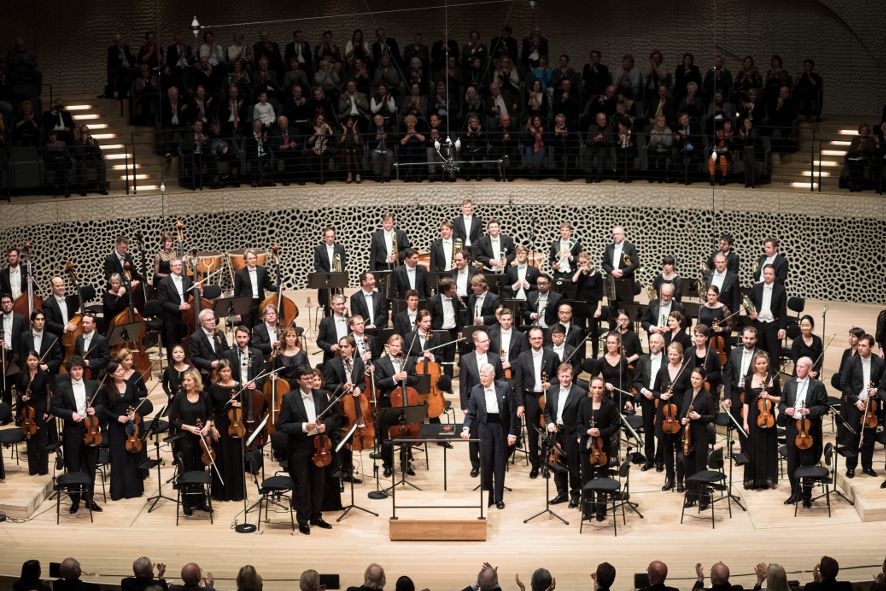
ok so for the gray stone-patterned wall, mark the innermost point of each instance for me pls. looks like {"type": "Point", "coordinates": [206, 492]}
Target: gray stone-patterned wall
{"type": "Point", "coordinates": [843, 36]}
{"type": "Point", "coordinates": [832, 255]}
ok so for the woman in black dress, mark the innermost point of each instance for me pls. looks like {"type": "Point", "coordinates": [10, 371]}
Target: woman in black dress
{"type": "Point", "coordinates": [597, 418]}
{"type": "Point", "coordinates": [712, 314]}
{"type": "Point", "coordinates": [192, 413]}
{"type": "Point", "coordinates": [291, 357]}
{"type": "Point", "coordinates": [701, 355]}
{"type": "Point", "coordinates": [126, 479]}
{"type": "Point", "coordinates": [808, 344]}
{"type": "Point", "coordinates": [163, 258]}
{"type": "Point", "coordinates": [35, 389]}
{"type": "Point", "coordinates": [630, 342]}
{"type": "Point", "coordinates": [668, 275]}
{"type": "Point", "coordinates": [130, 374]}
{"type": "Point", "coordinates": [588, 288]}
{"type": "Point", "coordinates": [613, 367]}
{"type": "Point", "coordinates": [228, 447]}
{"type": "Point", "coordinates": [760, 387]}
{"type": "Point", "coordinates": [669, 384]}
{"type": "Point", "coordinates": [697, 412]}
{"type": "Point", "coordinates": [115, 299]}
{"type": "Point", "coordinates": [173, 373]}
{"type": "Point", "coordinates": [675, 332]}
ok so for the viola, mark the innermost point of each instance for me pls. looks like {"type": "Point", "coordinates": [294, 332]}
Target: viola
{"type": "Point", "coordinates": [133, 442]}
{"type": "Point", "coordinates": [322, 455]}
{"type": "Point", "coordinates": [598, 455]}
{"type": "Point", "coordinates": [687, 434]}
{"type": "Point", "coordinates": [208, 454]}
{"type": "Point", "coordinates": [870, 411]}
{"type": "Point", "coordinates": [30, 425]}
{"type": "Point", "coordinates": [93, 435]}
{"type": "Point", "coordinates": [718, 345]}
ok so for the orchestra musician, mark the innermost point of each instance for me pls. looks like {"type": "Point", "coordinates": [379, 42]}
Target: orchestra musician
{"type": "Point", "coordinates": [630, 342]}
{"type": "Point", "coordinates": [563, 350]}
{"type": "Point", "coordinates": [506, 339]}
{"type": "Point", "coordinates": [447, 313]}
{"type": "Point", "coordinates": [668, 276]}
{"type": "Point", "coordinates": [366, 345]}
{"type": "Point", "coordinates": [726, 247]}
{"type": "Point", "coordinates": [771, 256]}
{"type": "Point", "coordinates": [762, 384]}
{"type": "Point", "coordinates": [469, 366]}
{"type": "Point", "coordinates": [697, 412]}
{"type": "Point", "coordinates": [734, 375]}
{"type": "Point", "coordinates": [121, 399]}
{"type": "Point", "coordinates": [655, 317]}
{"type": "Point", "coordinates": [561, 419]}
{"type": "Point", "coordinates": [392, 370]}
{"type": "Point", "coordinates": [860, 383]}
{"type": "Point", "coordinates": [725, 280]}
{"type": "Point", "coordinates": [266, 334]}
{"type": "Point", "coordinates": [712, 313]}
{"type": "Point", "coordinates": [253, 280]}
{"type": "Point", "coordinates": [14, 278]}
{"type": "Point", "coordinates": [563, 252]}
{"type": "Point", "coordinates": [115, 299]}
{"type": "Point", "coordinates": [700, 355]}
{"type": "Point", "coordinates": [381, 253]}
{"type": "Point", "coordinates": [126, 359]}
{"type": "Point", "coordinates": [228, 451]}
{"type": "Point", "coordinates": [848, 355]}
{"type": "Point", "coordinates": [613, 367]}
{"type": "Point", "coordinates": [75, 399]}
{"type": "Point", "coordinates": [333, 328]}
{"type": "Point", "coordinates": [807, 397]}
{"type": "Point", "coordinates": [645, 374]}
{"type": "Point", "coordinates": [808, 344]}
{"type": "Point", "coordinates": [163, 258]}
{"type": "Point", "coordinates": [495, 250]}
{"type": "Point", "coordinates": [369, 303]}
{"type": "Point", "coordinates": [173, 373]}
{"type": "Point", "coordinates": [35, 388]}
{"type": "Point", "coordinates": [246, 364]}
{"type": "Point", "coordinates": [92, 347]}
{"type": "Point", "coordinates": [530, 368]}
{"type": "Point", "coordinates": [443, 249]}
{"type": "Point", "coordinates": [174, 293]}
{"type": "Point", "coordinates": [520, 276]}
{"type": "Point", "coordinates": [410, 276]}
{"type": "Point", "coordinates": [290, 357]}
{"type": "Point", "coordinates": [59, 309]}
{"type": "Point", "coordinates": [589, 289]}
{"type": "Point", "coordinates": [482, 303]}
{"type": "Point", "coordinates": [345, 373]}
{"type": "Point", "coordinates": [621, 261]}
{"type": "Point", "coordinates": [188, 409]}
{"type": "Point", "coordinates": [207, 344]}
{"type": "Point", "coordinates": [116, 262]}
{"type": "Point", "coordinates": [770, 314]}
{"type": "Point", "coordinates": [596, 407]}
{"type": "Point", "coordinates": [491, 414]}
{"type": "Point", "coordinates": [404, 321]}
{"type": "Point", "coordinates": [669, 385]}
{"type": "Point", "coordinates": [422, 337]}
{"type": "Point", "coordinates": [675, 332]}
{"type": "Point", "coordinates": [325, 259]}
{"type": "Point", "coordinates": [12, 327]}
{"type": "Point", "coordinates": [462, 275]}
{"type": "Point", "coordinates": [573, 333]}
{"type": "Point", "coordinates": [467, 227]}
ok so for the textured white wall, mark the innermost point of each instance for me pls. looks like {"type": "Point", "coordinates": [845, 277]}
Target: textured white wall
{"type": "Point", "coordinates": [70, 36]}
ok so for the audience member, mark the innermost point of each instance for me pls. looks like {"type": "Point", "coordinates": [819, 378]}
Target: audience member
{"type": "Point", "coordinates": [194, 580]}
{"type": "Point", "coordinates": [604, 577]}
{"type": "Point", "coordinates": [373, 579]}
{"type": "Point", "coordinates": [30, 578]}
{"type": "Point", "coordinates": [143, 576]}
{"type": "Point", "coordinates": [656, 575]}
{"type": "Point", "coordinates": [309, 579]}
{"type": "Point", "coordinates": [69, 569]}
{"type": "Point", "coordinates": [773, 575]}
{"type": "Point", "coordinates": [825, 577]}
{"type": "Point", "coordinates": [719, 578]}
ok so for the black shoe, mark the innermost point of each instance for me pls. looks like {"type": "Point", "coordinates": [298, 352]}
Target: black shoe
{"type": "Point", "coordinates": [74, 507]}
{"type": "Point", "coordinates": [869, 472]}
{"type": "Point", "coordinates": [790, 500]}
{"type": "Point", "coordinates": [205, 508]}
{"type": "Point", "coordinates": [320, 523]}
{"type": "Point", "coordinates": [883, 485]}
{"type": "Point", "coordinates": [689, 503]}
{"type": "Point", "coordinates": [668, 485]}
{"type": "Point", "coordinates": [93, 507]}
{"type": "Point", "coordinates": [646, 466]}
{"type": "Point", "coordinates": [659, 467]}
{"type": "Point", "coordinates": [387, 472]}
{"type": "Point", "coordinates": [559, 499]}
{"type": "Point", "coordinates": [601, 516]}
{"type": "Point", "coordinates": [490, 502]}
{"type": "Point", "coordinates": [500, 504]}
{"type": "Point", "coordinates": [534, 472]}
{"type": "Point", "coordinates": [410, 471]}
{"type": "Point", "coordinates": [573, 502]}
{"type": "Point", "coordinates": [680, 487]}
{"type": "Point", "coordinates": [445, 444]}
{"type": "Point", "coordinates": [704, 504]}
{"type": "Point", "coordinates": [807, 503]}
{"type": "Point", "coordinates": [850, 473]}
{"type": "Point", "coordinates": [475, 472]}
{"type": "Point", "coordinates": [187, 511]}
{"type": "Point", "coordinates": [304, 528]}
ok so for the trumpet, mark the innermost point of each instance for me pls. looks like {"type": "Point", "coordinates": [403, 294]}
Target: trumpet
{"type": "Point", "coordinates": [394, 252]}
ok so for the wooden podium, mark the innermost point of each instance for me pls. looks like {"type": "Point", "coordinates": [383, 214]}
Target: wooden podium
{"type": "Point", "coordinates": [437, 530]}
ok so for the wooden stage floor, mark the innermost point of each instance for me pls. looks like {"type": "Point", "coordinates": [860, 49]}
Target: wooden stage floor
{"type": "Point", "coordinates": [767, 531]}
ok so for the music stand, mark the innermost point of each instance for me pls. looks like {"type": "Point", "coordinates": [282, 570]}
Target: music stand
{"type": "Point", "coordinates": [324, 280]}
{"type": "Point", "coordinates": [402, 414]}
{"type": "Point", "coordinates": [432, 280]}
{"type": "Point", "coordinates": [381, 334]}
{"type": "Point", "coordinates": [154, 430]}
{"type": "Point", "coordinates": [565, 288]}
{"type": "Point", "coordinates": [347, 437]}
{"type": "Point", "coordinates": [383, 282]}
{"type": "Point", "coordinates": [515, 306]}
{"type": "Point", "coordinates": [468, 331]}
{"type": "Point", "coordinates": [232, 306]}
{"type": "Point", "coordinates": [494, 281]}
{"type": "Point", "coordinates": [125, 333]}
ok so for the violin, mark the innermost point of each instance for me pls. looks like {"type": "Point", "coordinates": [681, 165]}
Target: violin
{"type": "Point", "coordinates": [687, 434]}
{"type": "Point", "coordinates": [133, 442]}
{"type": "Point", "coordinates": [765, 418]}
{"type": "Point", "coordinates": [556, 452]}
{"type": "Point", "coordinates": [236, 430]}
{"type": "Point", "coordinates": [30, 425]}
{"type": "Point", "coordinates": [208, 454]}
{"type": "Point", "coordinates": [93, 435]}
{"type": "Point", "coordinates": [870, 411]}
{"type": "Point", "coordinates": [803, 439]}
{"type": "Point", "coordinates": [322, 455]}
{"type": "Point", "coordinates": [670, 424]}
{"type": "Point", "coordinates": [541, 399]}
{"type": "Point", "coordinates": [598, 455]}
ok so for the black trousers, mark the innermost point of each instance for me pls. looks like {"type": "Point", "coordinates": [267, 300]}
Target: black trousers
{"type": "Point", "coordinates": [854, 417]}
{"type": "Point", "coordinates": [572, 476]}
{"type": "Point", "coordinates": [669, 445]}
{"type": "Point", "coordinates": [79, 457]}
{"type": "Point", "coordinates": [533, 421]}
{"type": "Point", "coordinates": [797, 458]}
{"type": "Point", "coordinates": [648, 409]}
{"type": "Point", "coordinates": [308, 492]}
{"type": "Point", "coordinates": [172, 334]}
{"type": "Point", "coordinates": [695, 461]}
{"type": "Point", "coordinates": [493, 452]}
{"type": "Point", "coordinates": [768, 340]}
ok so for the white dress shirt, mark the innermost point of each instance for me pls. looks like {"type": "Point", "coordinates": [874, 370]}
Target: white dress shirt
{"type": "Point", "coordinates": [63, 308]}
{"type": "Point", "coordinates": [448, 312]}
{"type": "Point", "coordinates": [244, 365]}
{"type": "Point", "coordinates": [802, 388]}
{"type": "Point", "coordinates": [505, 343]}
{"type": "Point", "coordinates": [565, 247]}
{"type": "Point", "coordinates": [330, 253]}
{"type": "Point", "coordinates": [79, 389]}
{"type": "Point", "coordinates": [617, 250]}
{"type": "Point", "coordinates": [253, 279]}
{"type": "Point", "coordinates": [310, 410]}
{"type": "Point", "coordinates": [7, 331]}
{"type": "Point", "coordinates": [15, 281]}
{"type": "Point", "coordinates": [177, 281]}
{"type": "Point", "coordinates": [447, 251]}
{"type": "Point", "coordinates": [561, 402]}
{"type": "Point", "coordinates": [410, 275]}
{"type": "Point", "coordinates": [469, 221]}
{"type": "Point", "coordinates": [496, 247]}
{"type": "Point", "coordinates": [38, 340]}
{"type": "Point", "coordinates": [370, 306]}
{"type": "Point", "coordinates": [866, 378]}
{"type": "Point", "coordinates": [746, 356]}
{"type": "Point", "coordinates": [389, 240]}
{"type": "Point", "coordinates": [461, 282]}
{"type": "Point", "coordinates": [664, 310]}
{"type": "Point", "coordinates": [542, 307]}
{"type": "Point", "coordinates": [521, 277]}
{"type": "Point", "coordinates": [718, 279]}
{"type": "Point", "coordinates": [341, 327]}
{"type": "Point", "coordinates": [536, 366]}
{"type": "Point", "coordinates": [478, 305]}
{"type": "Point", "coordinates": [210, 336]}
{"type": "Point", "coordinates": [491, 401]}
{"type": "Point", "coordinates": [654, 366]}
{"type": "Point", "coordinates": [764, 314]}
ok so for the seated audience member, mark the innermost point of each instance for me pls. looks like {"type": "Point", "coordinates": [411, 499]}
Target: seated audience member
{"type": "Point", "coordinates": [719, 578]}
{"type": "Point", "coordinates": [143, 576]}
{"type": "Point", "coordinates": [30, 578]}
{"type": "Point", "coordinates": [193, 579]}
{"type": "Point", "coordinates": [825, 577]}
{"type": "Point", "coordinates": [69, 569]}
{"type": "Point", "coordinates": [773, 575]}
{"type": "Point", "coordinates": [656, 575]}
{"type": "Point", "coordinates": [373, 579]}
{"type": "Point", "coordinates": [863, 149]}
{"type": "Point", "coordinates": [91, 171]}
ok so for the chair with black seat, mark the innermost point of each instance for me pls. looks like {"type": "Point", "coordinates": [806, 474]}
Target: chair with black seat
{"type": "Point", "coordinates": [796, 304]}
{"type": "Point", "coordinates": [616, 491]}
{"type": "Point", "coordinates": [70, 484]}
{"type": "Point", "coordinates": [823, 475]}
{"type": "Point", "coordinates": [10, 437]}
{"type": "Point", "coordinates": [274, 489]}
{"type": "Point", "coordinates": [185, 481]}
{"type": "Point", "coordinates": [152, 311]}
{"type": "Point", "coordinates": [710, 481]}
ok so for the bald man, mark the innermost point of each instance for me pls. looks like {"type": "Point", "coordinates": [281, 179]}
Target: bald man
{"type": "Point", "coordinates": [719, 578]}
{"type": "Point", "coordinates": [657, 574]}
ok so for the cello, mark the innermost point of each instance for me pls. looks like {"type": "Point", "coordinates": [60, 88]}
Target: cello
{"type": "Point", "coordinates": [404, 396]}
{"type": "Point", "coordinates": [287, 311]}
{"type": "Point", "coordinates": [356, 409]}
{"type": "Point", "coordinates": [274, 390]}
{"type": "Point", "coordinates": [140, 359]}
{"type": "Point", "coordinates": [435, 400]}
{"type": "Point", "coordinates": [69, 338]}
{"type": "Point", "coordinates": [25, 304]}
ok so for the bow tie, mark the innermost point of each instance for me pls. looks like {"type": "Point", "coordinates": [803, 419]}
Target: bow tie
{"type": "Point", "coordinates": [76, 382]}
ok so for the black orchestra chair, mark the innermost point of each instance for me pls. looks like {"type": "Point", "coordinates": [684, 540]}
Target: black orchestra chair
{"type": "Point", "coordinates": [70, 484]}
{"type": "Point", "coordinates": [809, 476]}
{"type": "Point", "coordinates": [194, 482]}
{"type": "Point", "coordinates": [10, 437]}
{"type": "Point", "coordinates": [796, 304]}
{"type": "Point", "coordinates": [152, 312]}
{"type": "Point", "coordinates": [277, 488]}
{"type": "Point", "coordinates": [616, 491]}
{"type": "Point", "coordinates": [710, 481]}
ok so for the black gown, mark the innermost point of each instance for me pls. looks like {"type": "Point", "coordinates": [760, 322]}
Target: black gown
{"type": "Point", "coordinates": [290, 363]}
{"type": "Point", "coordinates": [172, 381]}
{"type": "Point", "coordinates": [126, 478]}
{"type": "Point", "coordinates": [762, 449]}
{"type": "Point", "coordinates": [668, 442]}
{"type": "Point", "coordinates": [189, 448]}
{"type": "Point", "coordinates": [228, 450]}
{"type": "Point", "coordinates": [606, 419]}
{"type": "Point", "coordinates": [38, 457]}
{"type": "Point", "coordinates": [707, 316]}
{"type": "Point", "coordinates": [799, 349]}
{"type": "Point", "coordinates": [618, 375]}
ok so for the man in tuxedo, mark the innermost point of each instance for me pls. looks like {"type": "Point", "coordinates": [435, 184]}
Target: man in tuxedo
{"type": "Point", "coordinates": [482, 304]}
{"type": "Point", "coordinates": [495, 250]}
{"type": "Point", "coordinates": [655, 317]}
{"type": "Point", "coordinates": [252, 281]}
{"type": "Point", "coordinates": [12, 326]}
{"type": "Point", "coordinates": [325, 255]}
{"type": "Point", "coordinates": [644, 383]}
{"type": "Point", "coordinates": [366, 345]}
{"type": "Point", "coordinates": [491, 411]}
{"type": "Point", "coordinates": [116, 263]}
{"type": "Point", "coordinates": [563, 253]}
{"type": "Point", "coordinates": [541, 305]}
{"type": "Point", "coordinates": [770, 316]}
{"type": "Point", "coordinates": [411, 276]}
{"type": "Point", "coordinates": [381, 253]}
{"type": "Point", "coordinates": [561, 418]}
{"type": "Point", "coordinates": [298, 419]}
{"type": "Point", "coordinates": [467, 227]}
{"type": "Point", "coordinates": [443, 249]}
{"type": "Point", "coordinates": [447, 313]}
{"type": "Point", "coordinates": [14, 278]}
{"type": "Point", "coordinates": [391, 371]}
{"type": "Point", "coordinates": [207, 345]}
{"type": "Point", "coordinates": [573, 333]}
{"type": "Point", "coordinates": [267, 334]}
{"type": "Point", "coordinates": [806, 397]}
{"type": "Point", "coordinates": [725, 280]}
{"type": "Point", "coordinates": [468, 377]}
{"type": "Point", "coordinates": [506, 340]}
{"type": "Point", "coordinates": [92, 347]}
{"type": "Point", "coordinates": [76, 398]}
{"type": "Point", "coordinates": [738, 365]}
{"type": "Point", "coordinates": [47, 345]}
{"type": "Point", "coordinates": [563, 350]}
{"type": "Point", "coordinates": [520, 278]}
{"type": "Point", "coordinates": [345, 373]}
{"type": "Point", "coordinates": [533, 370]}
{"type": "Point", "coordinates": [246, 363]}
{"type": "Point", "coordinates": [60, 308]}
{"type": "Point", "coordinates": [461, 274]}
{"type": "Point", "coordinates": [174, 291]}
{"type": "Point", "coordinates": [726, 247]}
{"type": "Point", "coordinates": [621, 261]}
{"type": "Point", "coordinates": [404, 321]}
{"type": "Point", "coordinates": [771, 256]}
{"type": "Point", "coordinates": [859, 385]}
{"type": "Point", "coordinates": [369, 303]}
{"type": "Point", "coordinates": [332, 328]}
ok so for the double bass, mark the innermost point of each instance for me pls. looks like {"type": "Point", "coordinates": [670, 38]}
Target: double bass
{"type": "Point", "coordinates": [287, 311]}
{"type": "Point", "coordinates": [69, 339]}
{"type": "Point", "coordinates": [25, 304]}
{"type": "Point", "coordinates": [135, 343]}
